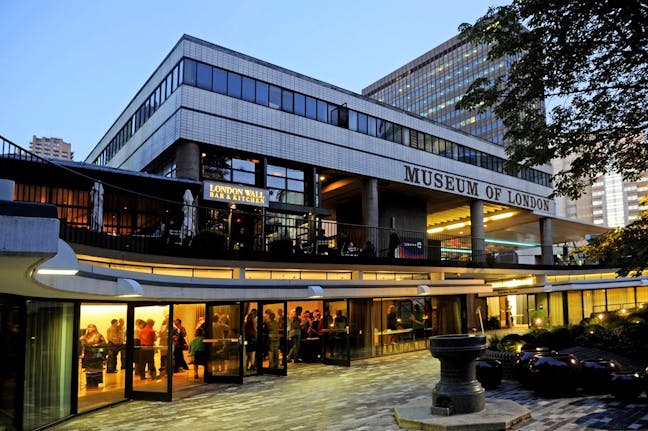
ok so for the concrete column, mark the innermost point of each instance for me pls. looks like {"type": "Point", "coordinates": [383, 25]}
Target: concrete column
{"type": "Point", "coordinates": [477, 233]}
{"type": "Point", "coordinates": [370, 215]}
{"type": "Point", "coordinates": [188, 161]}
{"type": "Point", "coordinates": [6, 190]}
{"type": "Point", "coordinates": [546, 241]}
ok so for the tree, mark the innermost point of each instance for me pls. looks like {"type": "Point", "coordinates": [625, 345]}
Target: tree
{"type": "Point", "coordinates": [588, 59]}
{"type": "Point", "coordinates": [625, 248]}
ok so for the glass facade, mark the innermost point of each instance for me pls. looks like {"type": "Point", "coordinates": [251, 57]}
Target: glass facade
{"type": "Point", "coordinates": [48, 363]}
{"type": "Point", "coordinates": [434, 83]}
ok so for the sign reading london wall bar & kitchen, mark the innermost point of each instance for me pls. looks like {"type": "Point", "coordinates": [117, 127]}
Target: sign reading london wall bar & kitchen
{"type": "Point", "coordinates": [235, 194]}
{"type": "Point", "coordinates": [472, 188]}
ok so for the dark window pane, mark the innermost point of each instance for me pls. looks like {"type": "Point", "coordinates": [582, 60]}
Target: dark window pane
{"type": "Point", "coordinates": [300, 104]}
{"type": "Point", "coordinates": [398, 138]}
{"type": "Point", "coordinates": [219, 78]}
{"type": "Point", "coordinates": [287, 100]}
{"type": "Point", "coordinates": [249, 87]}
{"type": "Point", "coordinates": [428, 143]}
{"type": "Point", "coordinates": [322, 111]}
{"type": "Point", "coordinates": [189, 72]}
{"type": "Point", "coordinates": [311, 108]}
{"type": "Point", "coordinates": [262, 93]}
{"type": "Point", "coordinates": [371, 126]}
{"type": "Point", "coordinates": [275, 97]}
{"type": "Point", "coordinates": [204, 76]}
{"type": "Point", "coordinates": [362, 123]}
{"type": "Point", "coordinates": [333, 117]}
{"type": "Point", "coordinates": [234, 84]}
{"type": "Point", "coordinates": [380, 128]}
{"type": "Point", "coordinates": [353, 120]}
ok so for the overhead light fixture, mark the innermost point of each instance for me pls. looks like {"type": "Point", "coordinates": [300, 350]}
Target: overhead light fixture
{"type": "Point", "coordinates": [501, 216]}
{"type": "Point", "coordinates": [423, 289]}
{"type": "Point", "coordinates": [506, 242]}
{"type": "Point", "coordinates": [128, 288]}
{"type": "Point", "coordinates": [435, 230]}
{"type": "Point", "coordinates": [315, 292]}
{"type": "Point", "coordinates": [63, 263]}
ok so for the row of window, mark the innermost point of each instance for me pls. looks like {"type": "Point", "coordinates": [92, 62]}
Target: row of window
{"type": "Point", "coordinates": [143, 113]}
{"type": "Point", "coordinates": [235, 85]}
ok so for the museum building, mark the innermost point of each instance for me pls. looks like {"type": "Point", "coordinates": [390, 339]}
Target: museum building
{"type": "Point", "coordinates": [232, 198]}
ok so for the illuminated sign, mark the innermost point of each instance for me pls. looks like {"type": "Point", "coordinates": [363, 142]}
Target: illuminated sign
{"type": "Point", "coordinates": [235, 194]}
{"type": "Point", "coordinates": [475, 189]}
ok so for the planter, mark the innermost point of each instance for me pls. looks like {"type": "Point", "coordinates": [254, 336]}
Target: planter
{"type": "Point", "coordinates": [626, 385]}
{"type": "Point", "coordinates": [489, 372]}
{"type": "Point", "coordinates": [458, 391]}
{"type": "Point", "coordinates": [596, 375]}
{"type": "Point", "coordinates": [554, 375]}
{"type": "Point", "coordinates": [521, 363]}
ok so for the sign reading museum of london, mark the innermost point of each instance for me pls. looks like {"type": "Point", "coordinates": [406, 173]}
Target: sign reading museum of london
{"type": "Point", "coordinates": [473, 188]}
{"type": "Point", "coordinates": [235, 194]}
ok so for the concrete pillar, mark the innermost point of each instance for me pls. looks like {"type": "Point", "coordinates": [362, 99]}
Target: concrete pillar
{"type": "Point", "coordinates": [546, 241]}
{"type": "Point", "coordinates": [6, 190]}
{"type": "Point", "coordinates": [188, 160]}
{"type": "Point", "coordinates": [370, 215]}
{"type": "Point", "coordinates": [477, 232]}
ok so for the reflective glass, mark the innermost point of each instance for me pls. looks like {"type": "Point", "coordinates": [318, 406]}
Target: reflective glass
{"type": "Point", "coordinates": [287, 100]}
{"type": "Point", "coordinates": [262, 93]}
{"type": "Point", "coordinates": [362, 123]}
{"type": "Point", "coordinates": [380, 128]}
{"type": "Point", "coordinates": [219, 80]}
{"type": "Point", "coordinates": [322, 111]}
{"type": "Point", "coordinates": [189, 72]}
{"type": "Point", "coordinates": [300, 104]}
{"type": "Point", "coordinates": [204, 79]}
{"type": "Point", "coordinates": [275, 97]}
{"type": "Point", "coordinates": [168, 85]}
{"type": "Point", "coordinates": [249, 87]}
{"type": "Point", "coordinates": [296, 185]}
{"type": "Point", "coordinates": [234, 84]}
{"type": "Point", "coordinates": [371, 126]}
{"type": "Point", "coordinates": [243, 177]}
{"type": "Point", "coordinates": [311, 108]}
{"type": "Point", "coordinates": [353, 120]}
{"type": "Point", "coordinates": [296, 174]}
{"type": "Point", "coordinates": [276, 182]}
{"type": "Point", "coordinates": [243, 165]}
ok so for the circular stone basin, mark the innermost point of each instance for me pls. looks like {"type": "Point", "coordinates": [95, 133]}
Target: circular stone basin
{"type": "Point", "coordinates": [458, 390]}
{"type": "Point", "coordinates": [626, 385]}
{"type": "Point", "coordinates": [596, 375]}
{"type": "Point", "coordinates": [555, 375]}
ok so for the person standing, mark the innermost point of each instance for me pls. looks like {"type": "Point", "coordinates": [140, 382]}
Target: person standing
{"type": "Point", "coordinates": [147, 350]}
{"type": "Point", "coordinates": [179, 346]}
{"type": "Point", "coordinates": [198, 351]}
{"type": "Point", "coordinates": [93, 345]}
{"type": "Point", "coordinates": [417, 322]}
{"type": "Point", "coordinates": [113, 334]}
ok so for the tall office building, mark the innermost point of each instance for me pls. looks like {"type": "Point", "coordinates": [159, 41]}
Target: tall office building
{"type": "Point", "coordinates": [52, 148]}
{"type": "Point", "coordinates": [433, 83]}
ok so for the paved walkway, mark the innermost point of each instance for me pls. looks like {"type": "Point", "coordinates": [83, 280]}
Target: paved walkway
{"type": "Point", "coordinates": [318, 397]}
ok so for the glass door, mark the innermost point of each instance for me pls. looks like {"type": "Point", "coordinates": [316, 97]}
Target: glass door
{"type": "Point", "coordinates": [224, 342]}
{"type": "Point", "coordinates": [149, 343]}
{"type": "Point", "coordinates": [271, 352]}
{"type": "Point", "coordinates": [335, 335]}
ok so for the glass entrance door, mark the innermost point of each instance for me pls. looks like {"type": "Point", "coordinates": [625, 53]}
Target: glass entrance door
{"type": "Point", "coordinates": [224, 342]}
{"type": "Point", "coordinates": [335, 335]}
{"type": "Point", "coordinates": [148, 341]}
{"type": "Point", "coordinates": [271, 344]}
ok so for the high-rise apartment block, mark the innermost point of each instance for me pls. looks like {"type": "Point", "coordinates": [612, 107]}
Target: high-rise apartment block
{"type": "Point", "coordinates": [51, 148]}
{"type": "Point", "coordinates": [432, 84]}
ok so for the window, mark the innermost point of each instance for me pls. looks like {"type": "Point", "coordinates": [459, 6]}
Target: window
{"type": "Point", "coordinates": [204, 79]}
{"type": "Point", "coordinates": [286, 185]}
{"type": "Point", "coordinates": [275, 97]}
{"type": "Point", "coordinates": [300, 104]}
{"type": "Point", "coordinates": [353, 120]}
{"type": "Point", "coordinates": [262, 93]}
{"type": "Point", "coordinates": [311, 108]}
{"type": "Point", "coordinates": [322, 112]}
{"type": "Point", "coordinates": [249, 87]}
{"type": "Point", "coordinates": [234, 85]}
{"type": "Point", "coordinates": [219, 80]}
{"type": "Point", "coordinates": [287, 101]}
{"type": "Point", "coordinates": [371, 126]}
{"type": "Point", "coordinates": [189, 72]}
{"type": "Point", "coordinates": [362, 123]}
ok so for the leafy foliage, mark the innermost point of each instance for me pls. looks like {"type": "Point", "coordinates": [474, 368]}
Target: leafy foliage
{"type": "Point", "coordinates": [625, 248]}
{"type": "Point", "coordinates": [587, 59]}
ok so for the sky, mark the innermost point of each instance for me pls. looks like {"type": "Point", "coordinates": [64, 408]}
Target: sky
{"type": "Point", "coordinates": [69, 67]}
